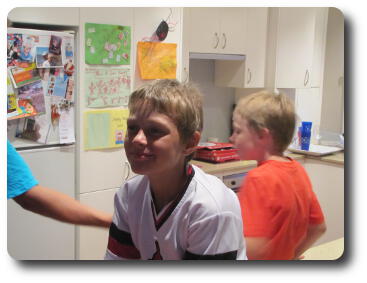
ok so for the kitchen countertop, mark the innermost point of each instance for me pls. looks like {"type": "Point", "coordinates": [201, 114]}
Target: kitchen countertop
{"type": "Point", "coordinates": [337, 158]}
{"type": "Point", "coordinates": [222, 168]}
{"type": "Point", "coordinates": [328, 251]}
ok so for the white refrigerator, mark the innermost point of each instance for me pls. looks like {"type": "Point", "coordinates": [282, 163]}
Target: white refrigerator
{"type": "Point", "coordinates": [42, 72]}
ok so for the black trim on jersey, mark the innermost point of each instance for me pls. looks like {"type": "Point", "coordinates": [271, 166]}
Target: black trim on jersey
{"type": "Point", "coordinates": [121, 236]}
{"type": "Point", "coordinates": [168, 212]}
{"type": "Point", "coordinates": [229, 255]}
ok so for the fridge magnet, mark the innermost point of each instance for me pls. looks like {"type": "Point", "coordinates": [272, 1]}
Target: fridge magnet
{"type": "Point", "coordinates": [107, 86]}
{"type": "Point", "coordinates": [55, 45]}
{"type": "Point", "coordinates": [57, 85]}
{"type": "Point", "coordinates": [104, 128]}
{"type": "Point", "coordinates": [55, 109]}
{"type": "Point", "coordinates": [34, 93]}
{"type": "Point", "coordinates": [14, 43]}
{"type": "Point", "coordinates": [107, 44]}
{"type": "Point", "coordinates": [157, 60]}
{"type": "Point", "coordinates": [70, 90]}
{"type": "Point", "coordinates": [33, 128]}
{"type": "Point", "coordinates": [69, 68]}
{"type": "Point", "coordinates": [21, 76]}
{"type": "Point", "coordinates": [66, 125]}
{"type": "Point", "coordinates": [45, 59]}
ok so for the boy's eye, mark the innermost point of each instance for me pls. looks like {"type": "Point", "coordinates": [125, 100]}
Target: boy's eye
{"type": "Point", "coordinates": [154, 131]}
{"type": "Point", "coordinates": [132, 128]}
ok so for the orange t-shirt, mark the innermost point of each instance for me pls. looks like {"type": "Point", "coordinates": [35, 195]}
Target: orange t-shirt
{"type": "Point", "coordinates": [278, 203]}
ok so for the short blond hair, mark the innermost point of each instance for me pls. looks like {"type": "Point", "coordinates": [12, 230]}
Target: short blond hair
{"type": "Point", "coordinates": [182, 102]}
{"type": "Point", "coordinates": [272, 111]}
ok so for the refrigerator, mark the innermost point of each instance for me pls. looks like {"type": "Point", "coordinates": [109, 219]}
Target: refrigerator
{"type": "Point", "coordinates": [41, 91]}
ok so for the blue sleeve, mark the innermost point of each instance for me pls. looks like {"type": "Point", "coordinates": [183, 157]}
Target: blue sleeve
{"type": "Point", "coordinates": [19, 176]}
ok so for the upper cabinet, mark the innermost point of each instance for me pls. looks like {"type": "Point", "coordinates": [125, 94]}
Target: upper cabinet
{"type": "Point", "coordinates": [62, 16]}
{"type": "Point", "coordinates": [216, 30]}
{"type": "Point", "coordinates": [251, 72]}
{"type": "Point", "coordinates": [299, 39]}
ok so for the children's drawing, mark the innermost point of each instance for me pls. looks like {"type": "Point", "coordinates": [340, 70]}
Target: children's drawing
{"type": "Point", "coordinates": [157, 60]}
{"type": "Point", "coordinates": [107, 86]}
{"type": "Point", "coordinates": [104, 128]}
{"type": "Point", "coordinates": [107, 44]}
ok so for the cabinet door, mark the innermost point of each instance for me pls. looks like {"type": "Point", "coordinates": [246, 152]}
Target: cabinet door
{"type": "Point", "coordinates": [63, 16]}
{"type": "Point", "coordinates": [232, 30]}
{"type": "Point", "coordinates": [204, 30]}
{"type": "Point", "coordinates": [92, 241]}
{"type": "Point", "coordinates": [255, 46]}
{"type": "Point", "coordinates": [296, 32]}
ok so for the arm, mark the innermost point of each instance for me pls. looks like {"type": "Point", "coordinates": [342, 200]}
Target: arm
{"type": "Point", "coordinates": [314, 232]}
{"type": "Point", "coordinates": [59, 206]}
{"type": "Point", "coordinates": [256, 247]}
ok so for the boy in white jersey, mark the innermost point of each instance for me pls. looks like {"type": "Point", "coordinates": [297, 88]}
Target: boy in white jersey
{"type": "Point", "coordinates": [172, 210]}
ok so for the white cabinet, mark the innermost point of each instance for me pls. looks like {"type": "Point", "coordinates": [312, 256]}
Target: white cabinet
{"type": "Point", "coordinates": [31, 236]}
{"type": "Point", "coordinates": [62, 16]}
{"type": "Point", "coordinates": [328, 184]}
{"type": "Point", "coordinates": [92, 241]}
{"type": "Point", "coordinates": [296, 30]}
{"type": "Point", "coordinates": [216, 30]}
{"type": "Point", "coordinates": [251, 72]}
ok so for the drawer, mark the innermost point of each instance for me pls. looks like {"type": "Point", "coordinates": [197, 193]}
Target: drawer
{"type": "Point", "coordinates": [234, 181]}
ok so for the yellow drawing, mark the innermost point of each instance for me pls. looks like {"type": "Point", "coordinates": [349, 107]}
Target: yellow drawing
{"type": "Point", "coordinates": [157, 60]}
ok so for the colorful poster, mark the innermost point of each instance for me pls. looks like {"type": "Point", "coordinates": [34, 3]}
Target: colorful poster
{"type": "Point", "coordinates": [104, 128]}
{"type": "Point", "coordinates": [107, 86]}
{"type": "Point", "coordinates": [107, 44]}
{"type": "Point", "coordinates": [157, 60]}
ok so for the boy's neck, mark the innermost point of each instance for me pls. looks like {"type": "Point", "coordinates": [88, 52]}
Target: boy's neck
{"type": "Point", "coordinates": [166, 188]}
{"type": "Point", "coordinates": [273, 156]}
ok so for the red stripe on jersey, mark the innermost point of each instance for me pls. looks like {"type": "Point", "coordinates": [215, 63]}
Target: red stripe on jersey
{"type": "Point", "coordinates": [124, 251]}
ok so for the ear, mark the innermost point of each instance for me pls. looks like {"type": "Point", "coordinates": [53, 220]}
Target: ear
{"type": "Point", "coordinates": [265, 136]}
{"type": "Point", "coordinates": [192, 143]}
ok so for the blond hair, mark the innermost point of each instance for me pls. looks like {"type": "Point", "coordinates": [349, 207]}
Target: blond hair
{"type": "Point", "coordinates": [272, 111]}
{"type": "Point", "coordinates": [182, 102]}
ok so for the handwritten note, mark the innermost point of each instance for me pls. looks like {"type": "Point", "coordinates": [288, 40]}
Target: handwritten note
{"type": "Point", "coordinates": [107, 86]}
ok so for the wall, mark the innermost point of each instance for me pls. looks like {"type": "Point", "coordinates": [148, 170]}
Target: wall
{"type": "Point", "coordinates": [218, 101]}
{"type": "Point", "coordinates": [101, 172]}
{"type": "Point", "coordinates": [333, 91]}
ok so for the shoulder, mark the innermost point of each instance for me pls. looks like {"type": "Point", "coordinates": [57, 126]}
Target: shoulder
{"type": "Point", "coordinates": [133, 188]}
{"type": "Point", "coordinates": [211, 194]}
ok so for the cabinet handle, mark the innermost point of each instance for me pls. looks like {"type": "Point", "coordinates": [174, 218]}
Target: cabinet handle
{"type": "Point", "coordinates": [217, 38]}
{"type": "Point", "coordinates": [307, 77]}
{"type": "Point", "coordinates": [225, 40]}
{"type": "Point", "coordinates": [248, 76]}
{"type": "Point", "coordinates": [127, 164]}
{"type": "Point", "coordinates": [187, 75]}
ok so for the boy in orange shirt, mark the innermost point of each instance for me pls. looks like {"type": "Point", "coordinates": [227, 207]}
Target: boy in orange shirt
{"type": "Point", "coordinates": [281, 215]}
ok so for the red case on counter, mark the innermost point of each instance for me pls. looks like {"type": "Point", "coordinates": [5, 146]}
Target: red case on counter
{"type": "Point", "coordinates": [216, 152]}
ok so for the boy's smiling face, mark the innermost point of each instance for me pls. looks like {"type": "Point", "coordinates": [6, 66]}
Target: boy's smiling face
{"type": "Point", "coordinates": [153, 144]}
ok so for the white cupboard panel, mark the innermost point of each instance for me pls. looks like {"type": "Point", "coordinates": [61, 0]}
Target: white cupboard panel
{"type": "Point", "coordinates": [34, 237]}
{"type": "Point", "coordinates": [92, 241]}
{"type": "Point", "coordinates": [63, 16]}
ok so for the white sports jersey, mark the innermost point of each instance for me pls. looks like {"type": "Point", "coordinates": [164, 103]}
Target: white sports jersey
{"type": "Point", "coordinates": [204, 222]}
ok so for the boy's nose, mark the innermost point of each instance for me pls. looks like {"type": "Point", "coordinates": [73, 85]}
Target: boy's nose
{"type": "Point", "coordinates": [231, 139]}
{"type": "Point", "coordinates": [140, 137]}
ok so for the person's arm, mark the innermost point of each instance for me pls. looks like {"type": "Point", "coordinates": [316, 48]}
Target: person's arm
{"type": "Point", "coordinates": [314, 232]}
{"type": "Point", "coordinates": [59, 206]}
{"type": "Point", "coordinates": [256, 248]}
